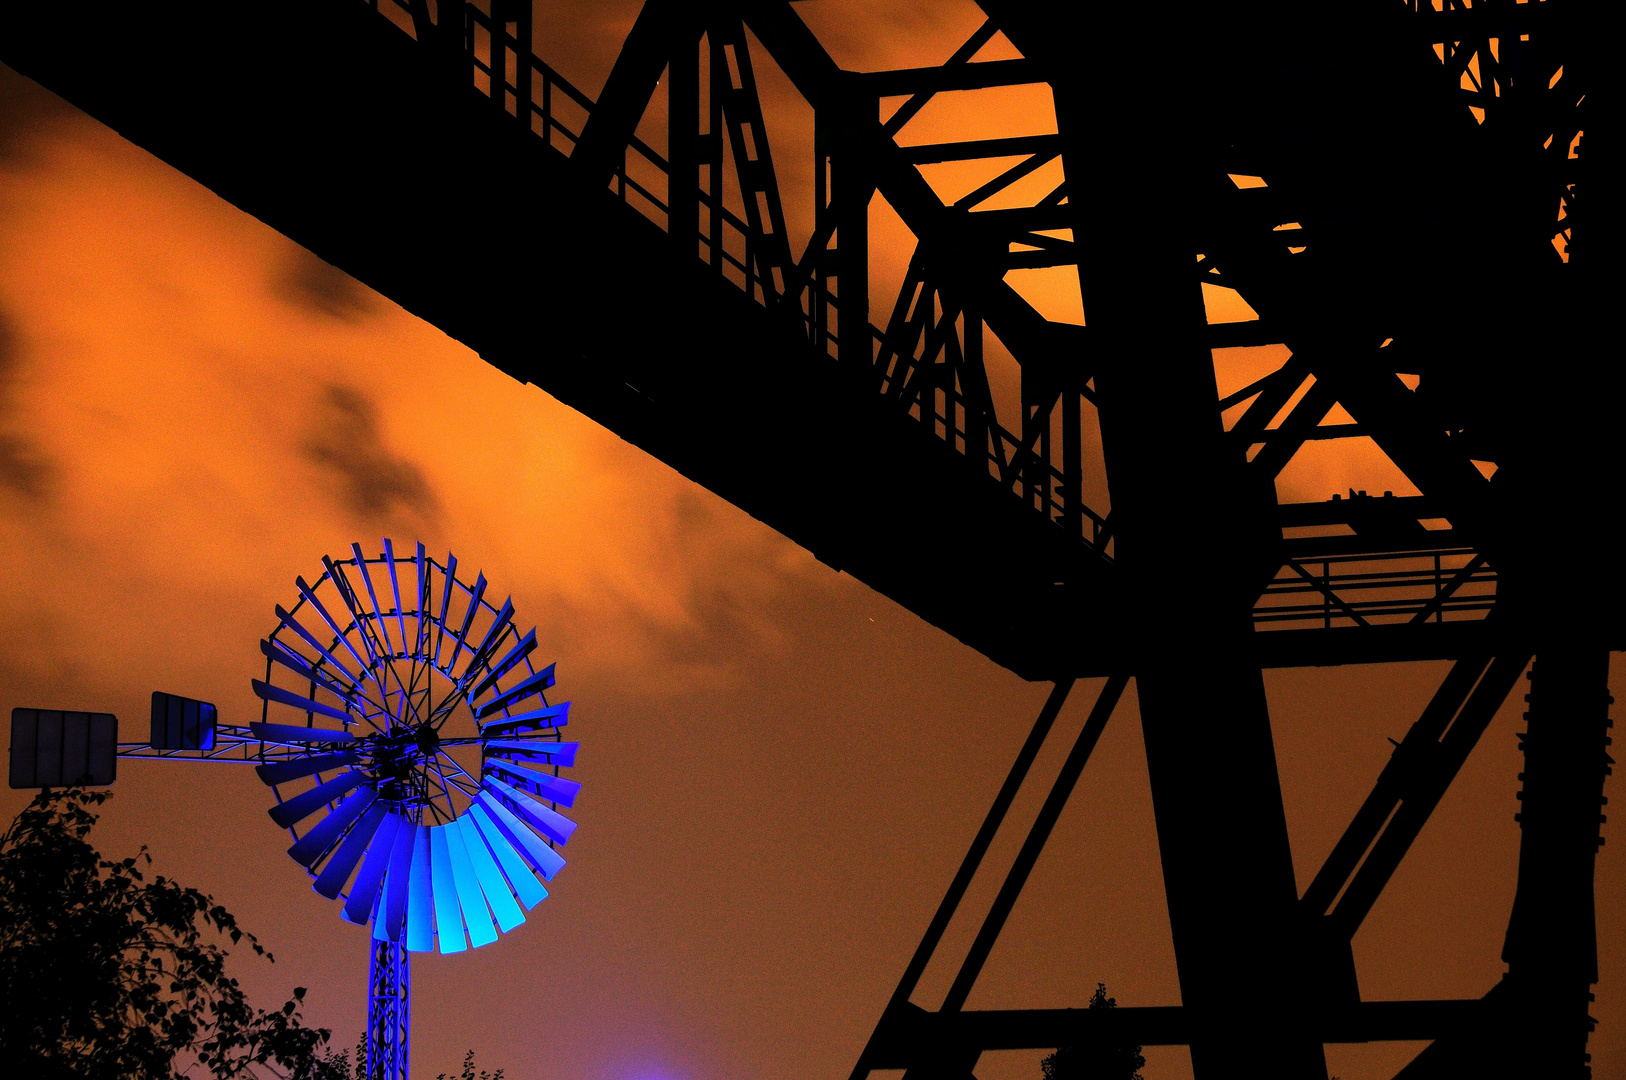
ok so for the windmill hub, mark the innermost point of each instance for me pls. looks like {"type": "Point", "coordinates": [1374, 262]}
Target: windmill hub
{"type": "Point", "coordinates": [395, 758]}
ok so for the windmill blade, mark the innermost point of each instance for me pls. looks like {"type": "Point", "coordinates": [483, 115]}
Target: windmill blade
{"type": "Point", "coordinates": [378, 612]}
{"type": "Point", "coordinates": [448, 920]}
{"type": "Point", "coordinates": [501, 898]}
{"type": "Point", "coordinates": [445, 602]}
{"type": "Point", "coordinates": [552, 717]}
{"type": "Point", "coordinates": [535, 684]}
{"type": "Point", "coordinates": [268, 692]}
{"type": "Point", "coordinates": [468, 619]}
{"type": "Point", "coordinates": [476, 916]}
{"type": "Point", "coordinates": [341, 583]}
{"type": "Point", "coordinates": [493, 636]}
{"type": "Point", "coordinates": [562, 754]}
{"type": "Point", "coordinates": [277, 651]}
{"type": "Point", "coordinates": [548, 822]}
{"type": "Point", "coordinates": [325, 833]}
{"type": "Point", "coordinates": [291, 733]}
{"type": "Point", "coordinates": [310, 596]}
{"type": "Point", "coordinates": [526, 646]}
{"type": "Point", "coordinates": [304, 805]}
{"type": "Point", "coordinates": [395, 587]}
{"type": "Point", "coordinates": [297, 627]}
{"type": "Point", "coordinates": [555, 789]}
{"type": "Point", "coordinates": [520, 878]}
{"type": "Point", "coordinates": [398, 882]}
{"type": "Point", "coordinates": [423, 598]}
{"type": "Point", "coordinates": [358, 906]}
{"type": "Point", "coordinates": [547, 861]}
{"type": "Point", "coordinates": [420, 908]}
{"type": "Point", "coordinates": [337, 871]}
{"type": "Point", "coordinates": [280, 772]}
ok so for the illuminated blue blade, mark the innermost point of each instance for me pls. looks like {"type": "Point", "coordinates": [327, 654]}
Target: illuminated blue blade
{"type": "Point", "coordinates": [341, 584]}
{"type": "Point", "coordinates": [497, 892]}
{"type": "Point", "coordinates": [280, 772]}
{"type": "Point", "coordinates": [310, 597]}
{"type": "Point", "coordinates": [310, 639]}
{"type": "Point", "coordinates": [475, 915]}
{"type": "Point", "coordinates": [325, 833]}
{"type": "Point", "coordinates": [304, 805]}
{"type": "Point", "coordinates": [378, 612]}
{"type": "Point", "coordinates": [284, 697]}
{"type": "Point", "coordinates": [398, 883]}
{"type": "Point", "coordinates": [445, 602]}
{"type": "Point", "coordinates": [423, 599]}
{"type": "Point", "coordinates": [554, 826]}
{"type": "Point", "coordinates": [554, 716]}
{"type": "Point", "coordinates": [520, 879]}
{"type": "Point", "coordinates": [295, 663]}
{"type": "Point", "coordinates": [358, 906]}
{"type": "Point", "coordinates": [420, 909]}
{"type": "Point", "coordinates": [526, 646]}
{"type": "Point", "coordinates": [555, 789]}
{"type": "Point", "coordinates": [553, 753]}
{"type": "Point", "coordinates": [448, 920]}
{"type": "Point", "coordinates": [535, 684]}
{"type": "Point", "coordinates": [290, 733]}
{"type": "Point", "coordinates": [547, 861]}
{"type": "Point", "coordinates": [492, 638]}
{"type": "Point", "coordinates": [468, 619]}
{"type": "Point", "coordinates": [344, 860]}
{"type": "Point", "coordinates": [395, 587]}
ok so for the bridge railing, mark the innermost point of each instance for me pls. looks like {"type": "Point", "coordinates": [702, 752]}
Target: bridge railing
{"type": "Point", "coordinates": [1325, 590]}
{"type": "Point", "coordinates": [557, 112]}
{"type": "Point", "coordinates": [1366, 588]}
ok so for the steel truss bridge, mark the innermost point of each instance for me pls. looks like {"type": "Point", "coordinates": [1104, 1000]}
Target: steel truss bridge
{"type": "Point", "coordinates": [1412, 196]}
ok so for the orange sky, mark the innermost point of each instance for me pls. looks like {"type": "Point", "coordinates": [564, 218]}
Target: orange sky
{"type": "Point", "coordinates": [782, 768]}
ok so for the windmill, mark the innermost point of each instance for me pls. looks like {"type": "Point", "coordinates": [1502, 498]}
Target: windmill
{"type": "Point", "coordinates": [414, 758]}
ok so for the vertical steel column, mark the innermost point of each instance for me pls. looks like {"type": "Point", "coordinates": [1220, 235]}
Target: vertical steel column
{"type": "Point", "coordinates": [389, 1011]}
{"type": "Point", "coordinates": [851, 188]}
{"type": "Point", "coordinates": [1551, 948]}
{"type": "Point", "coordinates": [1128, 133]}
{"type": "Point", "coordinates": [683, 148]}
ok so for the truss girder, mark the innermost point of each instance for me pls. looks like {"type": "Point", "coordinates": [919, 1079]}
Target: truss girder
{"type": "Point", "coordinates": [882, 450]}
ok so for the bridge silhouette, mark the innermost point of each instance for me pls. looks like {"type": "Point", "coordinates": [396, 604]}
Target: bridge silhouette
{"type": "Point", "coordinates": [1412, 198]}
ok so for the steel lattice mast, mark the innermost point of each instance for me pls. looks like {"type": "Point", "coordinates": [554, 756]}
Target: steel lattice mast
{"type": "Point", "coordinates": [389, 1011]}
{"type": "Point", "coordinates": [1414, 198]}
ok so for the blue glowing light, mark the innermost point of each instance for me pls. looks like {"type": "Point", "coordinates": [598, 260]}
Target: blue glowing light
{"type": "Point", "coordinates": [362, 727]}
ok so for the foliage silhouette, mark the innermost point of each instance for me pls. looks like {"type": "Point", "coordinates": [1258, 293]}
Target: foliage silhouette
{"type": "Point", "coordinates": [105, 973]}
{"type": "Point", "coordinates": [468, 1071]}
{"type": "Point", "coordinates": [1095, 1059]}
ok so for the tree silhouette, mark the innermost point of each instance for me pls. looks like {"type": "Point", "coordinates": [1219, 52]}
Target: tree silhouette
{"type": "Point", "coordinates": [105, 973]}
{"type": "Point", "coordinates": [468, 1071]}
{"type": "Point", "coordinates": [1095, 1058]}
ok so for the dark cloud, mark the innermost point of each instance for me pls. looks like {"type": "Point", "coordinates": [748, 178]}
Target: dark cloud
{"type": "Point", "coordinates": [26, 110]}
{"type": "Point", "coordinates": [734, 598]}
{"type": "Point", "coordinates": [24, 469]}
{"type": "Point", "coordinates": [309, 282]}
{"type": "Point", "coordinates": [372, 481]}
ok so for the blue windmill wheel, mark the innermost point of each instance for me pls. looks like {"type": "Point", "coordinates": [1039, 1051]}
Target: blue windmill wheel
{"type": "Point", "coordinates": [413, 752]}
